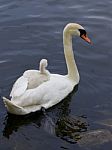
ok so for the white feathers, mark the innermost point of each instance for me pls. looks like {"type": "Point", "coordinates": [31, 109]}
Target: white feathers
{"type": "Point", "coordinates": [19, 87]}
{"type": "Point", "coordinates": [30, 79]}
{"type": "Point", "coordinates": [35, 77]}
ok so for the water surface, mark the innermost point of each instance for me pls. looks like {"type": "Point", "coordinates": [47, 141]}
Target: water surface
{"type": "Point", "coordinates": [32, 30]}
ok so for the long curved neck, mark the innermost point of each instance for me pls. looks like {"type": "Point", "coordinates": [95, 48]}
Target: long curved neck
{"type": "Point", "coordinates": [69, 57]}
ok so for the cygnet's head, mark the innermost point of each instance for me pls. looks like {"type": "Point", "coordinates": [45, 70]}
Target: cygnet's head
{"type": "Point", "coordinates": [77, 30]}
{"type": "Point", "coordinates": [42, 67]}
{"type": "Point", "coordinates": [43, 63]}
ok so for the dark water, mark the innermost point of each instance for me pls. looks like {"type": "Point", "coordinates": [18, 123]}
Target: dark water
{"type": "Point", "coordinates": [31, 30]}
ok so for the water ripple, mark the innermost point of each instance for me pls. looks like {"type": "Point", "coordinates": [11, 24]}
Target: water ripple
{"type": "Point", "coordinates": [32, 30]}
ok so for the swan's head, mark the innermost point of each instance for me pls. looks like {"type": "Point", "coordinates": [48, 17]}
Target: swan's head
{"type": "Point", "coordinates": [77, 30]}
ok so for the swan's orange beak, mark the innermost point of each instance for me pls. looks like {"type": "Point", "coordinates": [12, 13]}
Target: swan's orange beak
{"type": "Point", "coordinates": [85, 37]}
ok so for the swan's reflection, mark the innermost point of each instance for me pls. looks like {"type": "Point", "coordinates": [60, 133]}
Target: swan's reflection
{"type": "Point", "coordinates": [51, 123]}
{"type": "Point", "coordinates": [48, 124]}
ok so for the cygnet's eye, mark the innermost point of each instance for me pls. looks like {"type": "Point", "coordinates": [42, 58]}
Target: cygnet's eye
{"type": "Point", "coordinates": [82, 32]}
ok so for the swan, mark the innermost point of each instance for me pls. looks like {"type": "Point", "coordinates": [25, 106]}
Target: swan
{"type": "Point", "coordinates": [55, 89]}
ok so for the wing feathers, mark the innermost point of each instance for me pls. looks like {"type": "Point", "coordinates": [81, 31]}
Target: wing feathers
{"type": "Point", "coordinates": [19, 87]}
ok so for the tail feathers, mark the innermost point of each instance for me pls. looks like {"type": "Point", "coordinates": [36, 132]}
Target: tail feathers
{"type": "Point", "coordinates": [11, 107]}
{"type": "Point", "coordinates": [18, 110]}
{"type": "Point", "coordinates": [7, 102]}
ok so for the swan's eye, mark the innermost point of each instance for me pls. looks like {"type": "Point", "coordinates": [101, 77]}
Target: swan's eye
{"type": "Point", "coordinates": [84, 36]}
{"type": "Point", "coordinates": [82, 32]}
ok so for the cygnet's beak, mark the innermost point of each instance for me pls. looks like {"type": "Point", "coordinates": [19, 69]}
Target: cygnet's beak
{"type": "Point", "coordinates": [85, 37]}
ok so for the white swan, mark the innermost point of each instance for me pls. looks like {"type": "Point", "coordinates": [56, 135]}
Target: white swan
{"type": "Point", "coordinates": [56, 88]}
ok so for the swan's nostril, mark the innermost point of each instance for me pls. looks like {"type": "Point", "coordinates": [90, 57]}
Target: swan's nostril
{"type": "Point", "coordinates": [85, 37]}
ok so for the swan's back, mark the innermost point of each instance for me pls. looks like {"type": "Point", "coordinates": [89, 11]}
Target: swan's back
{"type": "Point", "coordinates": [31, 79]}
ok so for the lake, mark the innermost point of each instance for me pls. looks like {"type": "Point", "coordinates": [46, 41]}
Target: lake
{"type": "Point", "coordinates": [32, 30]}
